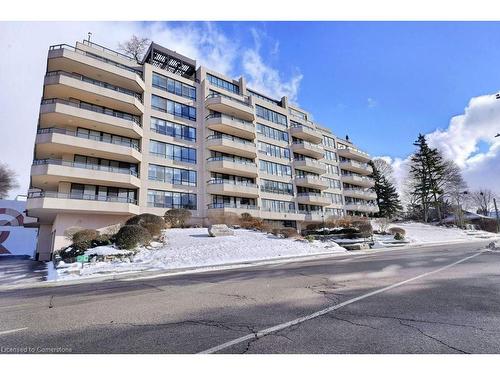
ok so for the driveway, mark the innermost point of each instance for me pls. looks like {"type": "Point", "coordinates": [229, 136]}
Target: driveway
{"type": "Point", "coordinates": [15, 270]}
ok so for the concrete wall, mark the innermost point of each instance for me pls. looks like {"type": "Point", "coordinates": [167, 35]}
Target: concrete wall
{"type": "Point", "coordinates": [15, 239]}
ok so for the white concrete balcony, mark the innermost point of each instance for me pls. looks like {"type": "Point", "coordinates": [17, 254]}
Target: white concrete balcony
{"type": "Point", "coordinates": [51, 171]}
{"type": "Point", "coordinates": [314, 216]}
{"type": "Point", "coordinates": [306, 133]}
{"type": "Point", "coordinates": [310, 165]}
{"type": "Point", "coordinates": [311, 182]}
{"type": "Point", "coordinates": [353, 153]}
{"type": "Point", "coordinates": [71, 59]}
{"type": "Point", "coordinates": [232, 166]}
{"type": "Point", "coordinates": [231, 145]}
{"type": "Point", "coordinates": [365, 208]}
{"type": "Point", "coordinates": [54, 141]}
{"type": "Point", "coordinates": [240, 108]}
{"type": "Point", "coordinates": [60, 84]}
{"type": "Point", "coordinates": [232, 188]}
{"type": "Point", "coordinates": [61, 113]}
{"type": "Point", "coordinates": [46, 203]}
{"type": "Point", "coordinates": [308, 149]}
{"type": "Point", "coordinates": [313, 199]}
{"type": "Point", "coordinates": [282, 215]}
{"type": "Point", "coordinates": [224, 208]}
{"type": "Point", "coordinates": [360, 193]}
{"type": "Point", "coordinates": [354, 179]}
{"type": "Point", "coordinates": [230, 125]}
{"type": "Point", "coordinates": [356, 166]}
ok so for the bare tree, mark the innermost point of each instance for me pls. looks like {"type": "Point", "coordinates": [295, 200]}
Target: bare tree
{"type": "Point", "coordinates": [134, 47]}
{"type": "Point", "coordinates": [8, 180]}
{"type": "Point", "coordinates": [482, 199]}
{"type": "Point", "coordinates": [384, 168]}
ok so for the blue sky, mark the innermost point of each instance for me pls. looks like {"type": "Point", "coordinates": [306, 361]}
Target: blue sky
{"type": "Point", "coordinates": [380, 82]}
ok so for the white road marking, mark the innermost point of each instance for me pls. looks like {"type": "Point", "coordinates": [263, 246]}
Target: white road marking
{"type": "Point", "coordinates": [282, 326]}
{"type": "Point", "coordinates": [13, 330]}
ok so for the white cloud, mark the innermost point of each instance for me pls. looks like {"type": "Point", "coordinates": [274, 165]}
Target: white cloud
{"type": "Point", "coordinates": [24, 46]}
{"type": "Point", "coordinates": [263, 78]}
{"type": "Point", "coordinates": [460, 142]}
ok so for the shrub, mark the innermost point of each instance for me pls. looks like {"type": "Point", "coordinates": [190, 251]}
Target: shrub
{"type": "Point", "coordinates": [309, 238]}
{"type": "Point", "coordinates": [102, 240]}
{"type": "Point", "coordinates": [285, 232]}
{"type": "Point", "coordinates": [395, 230]}
{"type": "Point", "coordinates": [228, 218]}
{"type": "Point", "coordinates": [247, 221]}
{"type": "Point", "coordinates": [488, 225]}
{"type": "Point", "coordinates": [313, 226]}
{"type": "Point", "coordinates": [398, 236]}
{"type": "Point", "coordinates": [153, 229]}
{"type": "Point", "coordinates": [365, 228]}
{"type": "Point", "coordinates": [130, 236]}
{"type": "Point", "coordinates": [70, 252]}
{"type": "Point", "coordinates": [145, 219]}
{"type": "Point", "coordinates": [177, 217]}
{"type": "Point", "coordinates": [82, 240]}
{"type": "Point", "coordinates": [382, 223]}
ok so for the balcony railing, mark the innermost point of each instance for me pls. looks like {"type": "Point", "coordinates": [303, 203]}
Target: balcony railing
{"type": "Point", "coordinates": [108, 50]}
{"type": "Point", "coordinates": [237, 161]}
{"type": "Point", "coordinates": [99, 138]}
{"type": "Point", "coordinates": [231, 118]}
{"type": "Point", "coordinates": [94, 108]}
{"type": "Point", "coordinates": [343, 147]}
{"type": "Point", "coordinates": [217, 95]}
{"type": "Point", "coordinates": [308, 144]}
{"type": "Point", "coordinates": [95, 167]}
{"type": "Point", "coordinates": [81, 196]}
{"type": "Point", "coordinates": [95, 82]}
{"type": "Point", "coordinates": [231, 182]}
{"type": "Point", "coordinates": [230, 138]}
{"type": "Point", "coordinates": [315, 195]}
{"type": "Point", "coordinates": [96, 57]}
{"type": "Point", "coordinates": [232, 205]}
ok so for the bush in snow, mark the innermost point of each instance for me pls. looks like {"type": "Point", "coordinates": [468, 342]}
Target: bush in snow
{"type": "Point", "coordinates": [82, 240]}
{"type": "Point", "coordinates": [70, 252]}
{"type": "Point", "coordinates": [398, 236]}
{"type": "Point", "coordinates": [285, 232]}
{"type": "Point", "coordinates": [177, 217]}
{"type": "Point", "coordinates": [364, 227]}
{"type": "Point", "coordinates": [247, 221]}
{"type": "Point", "coordinates": [130, 236]}
{"type": "Point", "coordinates": [153, 223]}
{"type": "Point", "coordinates": [395, 230]}
{"type": "Point", "coordinates": [102, 240]}
{"type": "Point", "coordinates": [228, 218]}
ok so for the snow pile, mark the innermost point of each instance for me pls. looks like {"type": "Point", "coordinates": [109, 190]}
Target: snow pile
{"type": "Point", "coordinates": [193, 247]}
{"type": "Point", "coordinates": [106, 250]}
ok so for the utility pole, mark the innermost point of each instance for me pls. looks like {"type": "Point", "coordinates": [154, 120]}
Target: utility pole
{"type": "Point", "coordinates": [496, 213]}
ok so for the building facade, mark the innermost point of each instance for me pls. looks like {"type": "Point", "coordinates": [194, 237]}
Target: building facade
{"type": "Point", "coordinates": [116, 138]}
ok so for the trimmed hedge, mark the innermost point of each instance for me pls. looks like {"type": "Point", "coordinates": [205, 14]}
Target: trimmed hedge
{"type": "Point", "coordinates": [153, 223]}
{"type": "Point", "coordinates": [130, 236]}
{"type": "Point", "coordinates": [177, 217]}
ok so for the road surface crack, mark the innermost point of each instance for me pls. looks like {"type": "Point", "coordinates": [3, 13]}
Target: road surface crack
{"type": "Point", "coordinates": [350, 321]}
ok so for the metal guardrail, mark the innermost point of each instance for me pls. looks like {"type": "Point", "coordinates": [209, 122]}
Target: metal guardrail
{"type": "Point", "coordinates": [216, 181]}
{"type": "Point", "coordinates": [94, 82]}
{"type": "Point", "coordinates": [217, 95]}
{"type": "Point", "coordinates": [94, 108]}
{"type": "Point", "coordinates": [102, 198]}
{"type": "Point", "coordinates": [94, 56]}
{"type": "Point", "coordinates": [220, 115]}
{"type": "Point", "coordinates": [232, 205]}
{"type": "Point", "coordinates": [95, 167]}
{"type": "Point", "coordinates": [230, 138]}
{"type": "Point", "coordinates": [89, 136]}
{"type": "Point", "coordinates": [225, 158]}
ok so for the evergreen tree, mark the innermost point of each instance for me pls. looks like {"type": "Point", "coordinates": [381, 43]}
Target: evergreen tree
{"type": "Point", "coordinates": [387, 197]}
{"type": "Point", "coordinates": [428, 172]}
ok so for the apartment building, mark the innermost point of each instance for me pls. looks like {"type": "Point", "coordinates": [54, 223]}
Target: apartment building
{"type": "Point", "coordinates": [117, 138]}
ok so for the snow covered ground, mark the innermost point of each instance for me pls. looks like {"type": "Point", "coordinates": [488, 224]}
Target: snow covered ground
{"type": "Point", "coordinates": [192, 247]}
{"type": "Point", "coordinates": [418, 233]}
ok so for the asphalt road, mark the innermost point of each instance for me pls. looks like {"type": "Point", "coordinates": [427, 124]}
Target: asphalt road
{"type": "Point", "coordinates": [440, 299]}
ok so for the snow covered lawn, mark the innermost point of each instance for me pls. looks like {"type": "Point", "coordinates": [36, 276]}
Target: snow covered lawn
{"type": "Point", "coordinates": [425, 233]}
{"type": "Point", "coordinates": [192, 247]}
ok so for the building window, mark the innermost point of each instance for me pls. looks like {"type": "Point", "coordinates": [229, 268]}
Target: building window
{"type": "Point", "coordinates": [270, 132]}
{"type": "Point", "coordinates": [103, 193]}
{"type": "Point", "coordinates": [265, 98]}
{"type": "Point", "coordinates": [170, 175]}
{"type": "Point", "coordinates": [171, 199]}
{"type": "Point", "coordinates": [173, 86]}
{"type": "Point", "coordinates": [269, 115]}
{"type": "Point", "coordinates": [173, 129]}
{"type": "Point", "coordinates": [273, 150]}
{"type": "Point", "coordinates": [332, 169]}
{"type": "Point", "coordinates": [277, 206]}
{"type": "Point", "coordinates": [330, 155]}
{"type": "Point", "coordinates": [328, 141]}
{"type": "Point", "coordinates": [298, 114]}
{"type": "Point", "coordinates": [334, 198]}
{"type": "Point", "coordinates": [172, 152]}
{"type": "Point", "coordinates": [173, 108]}
{"type": "Point", "coordinates": [337, 212]}
{"type": "Point", "coordinates": [332, 183]}
{"type": "Point", "coordinates": [275, 168]}
{"type": "Point", "coordinates": [277, 187]}
{"type": "Point", "coordinates": [223, 84]}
